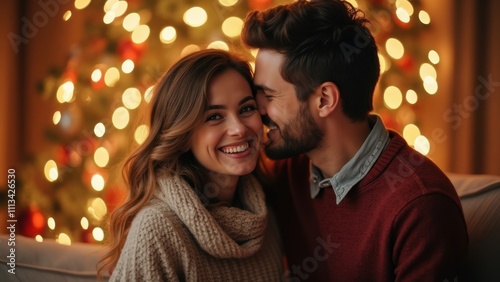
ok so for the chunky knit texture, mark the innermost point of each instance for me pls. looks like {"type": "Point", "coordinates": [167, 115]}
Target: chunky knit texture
{"type": "Point", "coordinates": [177, 238]}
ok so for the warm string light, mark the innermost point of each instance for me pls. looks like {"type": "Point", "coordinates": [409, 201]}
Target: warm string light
{"type": "Point", "coordinates": [218, 44]}
{"type": "Point", "coordinates": [168, 35]}
{"type": "Point", "coordinates": [195, 17]}
{"type": "Point", "coordinates": [393, 95]}
{"type": "Point", "coordinates": [81, 4]}
{"type": "Point", "coordinates": [228, 3]}
{"type": "Point", "coordinates": [232, 26]}
{"type": "Point", "coordinates": [63, 239]}
{"type": "Point", "coordinates": [141, 133]}
{"type": "Point", "coordinates": [101, 157]}
{"type": "Point", "coordinates": [51, 171]}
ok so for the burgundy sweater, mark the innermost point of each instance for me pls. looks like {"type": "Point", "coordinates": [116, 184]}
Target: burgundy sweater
{"type": "Point", "coordinates": [402, 222]}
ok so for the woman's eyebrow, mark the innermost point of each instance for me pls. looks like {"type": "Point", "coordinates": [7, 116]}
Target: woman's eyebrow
{"type": "Point", "coordinates": [218, 107]}
{"type": "Point", "coordinates": [244, 100]}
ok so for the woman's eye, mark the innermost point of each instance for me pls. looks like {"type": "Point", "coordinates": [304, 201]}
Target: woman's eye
{"type": "Point", "coordinates": [214, 117]}
{"type": "Point", "coordinates": [248, 108]}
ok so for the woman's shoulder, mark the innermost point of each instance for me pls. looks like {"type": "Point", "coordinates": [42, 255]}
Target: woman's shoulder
{"type": "Point", "coordinates": [155, 218]}
{"type": "Point", "coordinates": [155, 235]}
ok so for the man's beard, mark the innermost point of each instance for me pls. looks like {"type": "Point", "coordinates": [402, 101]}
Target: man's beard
{"type": "Point", "coordinates": [299, 136]}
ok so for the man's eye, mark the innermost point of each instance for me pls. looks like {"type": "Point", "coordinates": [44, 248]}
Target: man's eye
{"type": "Point", "coordinates": [262, 93]}
{"type": "Point", "coordinates": [268, 97]}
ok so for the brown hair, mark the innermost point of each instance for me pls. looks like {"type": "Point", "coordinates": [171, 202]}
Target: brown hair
{"type": "Point", "coordinates": [178, 107]}
{"type": "Point", "coordinates": [321, 40]}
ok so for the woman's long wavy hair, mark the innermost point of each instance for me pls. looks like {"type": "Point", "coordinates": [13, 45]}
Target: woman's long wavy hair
{"type": "Point", "coordinates": [178, 108]}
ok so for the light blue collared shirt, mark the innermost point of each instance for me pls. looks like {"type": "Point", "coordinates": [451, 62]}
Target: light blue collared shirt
{"type": "Point", "coordinates": [356, 168]}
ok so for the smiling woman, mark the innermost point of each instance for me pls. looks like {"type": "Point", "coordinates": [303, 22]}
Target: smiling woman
{"type": "Point", "coordinates": [228, 141]}
{"type": "Point", "coordinates": [194, 204]}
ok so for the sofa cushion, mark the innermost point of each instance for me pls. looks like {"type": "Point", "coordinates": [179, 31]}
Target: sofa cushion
{"type": "Point", "coordinates": [480, 198]}
{"type": "Point", "coordinates": [49, 260]}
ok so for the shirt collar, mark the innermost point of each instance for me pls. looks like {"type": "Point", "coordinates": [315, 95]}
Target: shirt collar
{"type": "Point", "coordinates": [357, 168]}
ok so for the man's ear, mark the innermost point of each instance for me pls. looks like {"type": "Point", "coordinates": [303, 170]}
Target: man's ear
{"type": "Point", "coordinates": [329, 98]}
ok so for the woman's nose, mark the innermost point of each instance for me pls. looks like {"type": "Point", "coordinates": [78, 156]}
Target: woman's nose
{"type": "Point", "coordinates": [236, 127]}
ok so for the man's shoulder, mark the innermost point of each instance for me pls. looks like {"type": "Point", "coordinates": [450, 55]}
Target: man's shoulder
{"type": "Point", "coordinates": [408, 173]}
{"type": "Point", "coordinates": [411, 175]}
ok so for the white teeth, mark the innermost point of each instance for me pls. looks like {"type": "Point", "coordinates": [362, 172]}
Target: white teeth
{"type": "Point", "coordinates": [272, 127]}
{"type": "Point", "coordinates": [233, 150]}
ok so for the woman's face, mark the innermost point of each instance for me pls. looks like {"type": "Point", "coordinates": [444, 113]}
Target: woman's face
{"type": "Point", "coordinates": [228, 141]}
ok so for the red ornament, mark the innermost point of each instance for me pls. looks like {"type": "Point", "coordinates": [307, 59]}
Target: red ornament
{"type": "Point", "coordinates": [113, 196]}
{"type": "Point", "coordinates": [31, 222]}
{"type": "Point", "coordinates": [389, 121]}
{"type": "Point", "coordinates": [96, 46]}
{"type": "Point", "coordinates": [406, 63]}
{"type": "Point", "coordinates": [70, 75]}
{"type": "Point", "coordinates": [62, 155]}
{"type": "Point", "coordinates": [86, 236]}
{"type": "Point", "coordinates": [259, 4]}
{"type": "Point", "coordinates": [128, 50]}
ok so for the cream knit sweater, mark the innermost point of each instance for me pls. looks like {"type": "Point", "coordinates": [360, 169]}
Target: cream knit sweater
{"type": "Point", "coordinates": [177, 238]}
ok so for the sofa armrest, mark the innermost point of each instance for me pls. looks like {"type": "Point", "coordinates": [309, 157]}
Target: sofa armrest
{"type": "Point", "coordinates": [480, 198]}
{"type": "Point", "coordinates": [48, 260]}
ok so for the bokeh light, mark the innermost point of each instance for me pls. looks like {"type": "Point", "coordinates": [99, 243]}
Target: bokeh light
{"type": "Point", "coordinates": [232, 26]}
{"type": "Point", "coordinates": [120, 118]}
{"type": "Point", "coordinates": [101, 157]}
{"type": "Point", "coordinates": [394, 48]}
{"type": "Point", "coordinates": [51, 171]}
{"type": "Point", "coordinates": [141, 133]}
{"type": "Point", "coordinates": [195, 17]}
{"type": "Point", "coordinates": [393, 97]}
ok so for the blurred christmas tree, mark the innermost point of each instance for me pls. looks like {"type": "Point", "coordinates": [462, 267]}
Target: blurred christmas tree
{"type": "Point", "coordinates": [109, 76]}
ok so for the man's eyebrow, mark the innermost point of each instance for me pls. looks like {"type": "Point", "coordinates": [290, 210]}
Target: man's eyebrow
{"type": "Point", "coordinates": [264, 88]}
{"type": "Point", "coordinates": [219, 107]}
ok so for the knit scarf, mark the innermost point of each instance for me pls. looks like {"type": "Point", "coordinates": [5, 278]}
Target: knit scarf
{"type": "Point", "coordinates": [222, 231]}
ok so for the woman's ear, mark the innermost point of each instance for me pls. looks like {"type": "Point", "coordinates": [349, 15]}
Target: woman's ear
{"type": "Point", "coordinates": [329, 98]}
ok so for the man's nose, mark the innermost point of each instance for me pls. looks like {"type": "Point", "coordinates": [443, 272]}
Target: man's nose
{"type": "Point", "coordinates": [261, 103]}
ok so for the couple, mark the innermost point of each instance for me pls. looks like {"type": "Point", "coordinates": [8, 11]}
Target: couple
{"type": "Point", "coordinates": [349, 200]}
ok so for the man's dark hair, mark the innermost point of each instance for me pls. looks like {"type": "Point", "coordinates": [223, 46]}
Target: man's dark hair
{"type": "Point", "coordinates": [323, 40]}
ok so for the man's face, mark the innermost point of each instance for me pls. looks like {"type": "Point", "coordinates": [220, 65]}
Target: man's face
{"type": "Point", "coordinates": [292, 129]}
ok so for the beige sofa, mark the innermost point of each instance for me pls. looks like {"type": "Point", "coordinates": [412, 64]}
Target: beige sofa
{"type": "Point", "coordinates": [480, 196]}
{"type": "Point", "coordinates": [49, 261]}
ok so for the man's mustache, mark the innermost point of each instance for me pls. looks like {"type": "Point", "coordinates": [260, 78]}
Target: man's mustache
{"type": "Point", "coordinates": [266, 120]}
